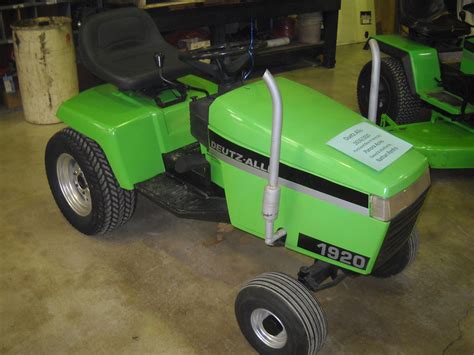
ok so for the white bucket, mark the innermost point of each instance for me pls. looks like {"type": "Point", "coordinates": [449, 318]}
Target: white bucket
{"type": "Point", "coordinates": [46, 64]}
{"type": "Point", "coordinates": [309, 28]}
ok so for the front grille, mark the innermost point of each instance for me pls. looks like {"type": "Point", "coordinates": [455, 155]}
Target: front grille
{"type": "Point", "coordinates": [399, 230]}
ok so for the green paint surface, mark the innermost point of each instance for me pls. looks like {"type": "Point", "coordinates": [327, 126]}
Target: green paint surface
{"type": "Point", "coordinates": [131, 129]}
{"type": "Point", "coordinates": [447, 143]}
{"type": "Point", "coordinates": [134, 134]}
{"type": "Point", "coordinates": [444, 143]}
{"type": "Point", "coordinates": [310, 120]}
{"type": "Point", "coordinates": [424, 61]}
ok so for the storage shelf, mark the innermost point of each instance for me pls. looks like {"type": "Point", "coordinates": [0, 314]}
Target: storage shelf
{"type": "Point", "coordinates": [34, 4]}
{"type": "Point", "coordinates": [292, 47]}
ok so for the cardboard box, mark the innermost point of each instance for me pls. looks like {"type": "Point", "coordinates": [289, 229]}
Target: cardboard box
{"type": "Point", "coordinates": [11, 100]}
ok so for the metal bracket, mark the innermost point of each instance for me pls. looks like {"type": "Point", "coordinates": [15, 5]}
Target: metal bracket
{"type": "Point", "coordinates": [314, 276]}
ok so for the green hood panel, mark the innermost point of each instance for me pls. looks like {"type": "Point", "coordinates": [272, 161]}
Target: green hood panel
{"type": "Point", "coordinates": [310, 119]}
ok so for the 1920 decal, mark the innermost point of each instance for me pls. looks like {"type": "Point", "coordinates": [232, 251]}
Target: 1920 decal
{"type": "Point", "coordinates": [333, 252]}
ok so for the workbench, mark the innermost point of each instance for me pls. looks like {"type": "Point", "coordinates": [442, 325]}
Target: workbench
{"type": "Point", "coordinates": [182, 15]}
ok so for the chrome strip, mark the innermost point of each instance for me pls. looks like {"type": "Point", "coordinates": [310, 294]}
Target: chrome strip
{"type": "Point", "coordinates": [388, 209]}
{"type": "Point", "coordinates": [292, 185]}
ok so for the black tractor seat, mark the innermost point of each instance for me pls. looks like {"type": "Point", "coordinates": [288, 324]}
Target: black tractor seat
{"type": "Point", "coordinates": [431, 19]}
{"type": "Point", "coordinates": [118, 46]}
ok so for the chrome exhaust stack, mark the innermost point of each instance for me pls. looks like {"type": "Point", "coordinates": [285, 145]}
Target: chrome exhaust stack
{"type": "Point", "coordinates": [271, 197]}
{"type": "Point", "coordinates": [375, 80]}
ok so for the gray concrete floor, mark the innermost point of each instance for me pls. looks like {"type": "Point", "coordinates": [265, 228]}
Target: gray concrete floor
{"type": "Point", "coordinates": [164, 285]}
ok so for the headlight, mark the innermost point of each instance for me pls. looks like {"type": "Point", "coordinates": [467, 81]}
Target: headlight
{"type": "Point", "coordinates": [387, 209]}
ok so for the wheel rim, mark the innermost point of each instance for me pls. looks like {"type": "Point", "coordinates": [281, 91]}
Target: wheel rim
{"type": "Point", "coordinates": [268, 328]}
{"type": "Point", "coordinates": [384, 95]}
{"type": "Point", "coordinates": [73, 184]}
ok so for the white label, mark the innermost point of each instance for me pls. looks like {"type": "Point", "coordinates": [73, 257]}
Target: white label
{"type": "Point", "coordinates": [370, 145]}
{"type": "Point", "coordinates": [9, 84]}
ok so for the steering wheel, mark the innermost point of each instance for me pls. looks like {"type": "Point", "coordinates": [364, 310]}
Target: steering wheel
{"type": "Point", "coordinates": [227, 60]}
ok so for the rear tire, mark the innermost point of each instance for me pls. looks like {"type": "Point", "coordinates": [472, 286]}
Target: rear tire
{"type": "Point", "coordinates": [395, 96]}
{"type": "Point", "coordinates": [84, 186]}
{"type": "Point", "coordinates": [401, 260]}
{"type": "Point", "coordinates": [278, 315]}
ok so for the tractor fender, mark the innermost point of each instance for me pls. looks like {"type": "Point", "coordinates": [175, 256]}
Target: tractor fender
{"type": "Point", "coordinates": [131, 129]}
{"type": "Point", "coordinates": [420, 62]}
{"type": "Point", "coordinates": [123, 127]}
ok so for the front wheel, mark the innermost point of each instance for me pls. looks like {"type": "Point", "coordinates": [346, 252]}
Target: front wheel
{"type": "Point", "coordinates": [400, 261]}
{"type": "Point", "coordinates": [84, 186]}
{"type": "Point", "coordinates": [278, 315]}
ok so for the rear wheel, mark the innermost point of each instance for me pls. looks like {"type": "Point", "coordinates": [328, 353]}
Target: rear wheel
{"type": "Point", "coordinates": [395, 96]}
{"type": "Point", "coordinates": [84, 186]}
{"type": "Point", "coordinates": [401, 260]}
{"type": "Point", "coordinates": [278, 315]}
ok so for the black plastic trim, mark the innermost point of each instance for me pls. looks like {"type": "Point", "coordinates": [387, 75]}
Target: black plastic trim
{"type": "Point", "coordinates": [404, 57]}
{"type": "Point", "coordinates": [311, 244]}
{"type": "Point", "coordinates": [399, 230]}
{"type": "Point", "coordinates": [300, 177]}
{"type": "Point", "coordinates": [469, 46]}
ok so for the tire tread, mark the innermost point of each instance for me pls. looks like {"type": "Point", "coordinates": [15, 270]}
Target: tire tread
{"type": "Point", "coordinates": [115, 206]}
{"type": "Point", "coordinates": [297, 297]}
{"type": "Point", "coordinates": [407, 107]}
{"type": "Point", "coordinates": [401, 260]}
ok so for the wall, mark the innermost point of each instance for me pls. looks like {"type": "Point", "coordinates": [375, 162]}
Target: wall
{"type": "Point", "coordinates": [350, 28]}
{"type": "Point", "coordinates": [385, 11]}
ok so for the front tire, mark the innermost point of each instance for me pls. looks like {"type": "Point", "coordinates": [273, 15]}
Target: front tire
{"type": "Point", "coordinates": [401, 260]}
{"type": "Point", "coordinates": [278, 315]}
{"type": "Point", "coordinates": [84, 186]}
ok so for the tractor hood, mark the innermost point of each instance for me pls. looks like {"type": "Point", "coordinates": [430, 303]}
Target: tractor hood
{"type": "Point", "coordinates": [243, 119]}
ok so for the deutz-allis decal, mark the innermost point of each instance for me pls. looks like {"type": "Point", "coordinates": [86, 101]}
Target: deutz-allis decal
{"type": "Point", "coordinates": [291, 177]}
{"type": "Point", "coordinates": [239, 157]}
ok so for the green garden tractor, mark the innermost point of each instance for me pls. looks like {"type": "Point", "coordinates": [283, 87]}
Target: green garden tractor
{"type": "Point", "coordinates": [425, 84]}
{"type": "Point", "coordinates": [272, 157]}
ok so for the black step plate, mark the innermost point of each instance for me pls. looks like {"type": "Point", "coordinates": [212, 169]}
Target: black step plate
{"type": "Point", "coordinates": [184, 200]}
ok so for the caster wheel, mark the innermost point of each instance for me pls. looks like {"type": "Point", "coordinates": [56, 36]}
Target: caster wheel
{"type": "Point", "coordinates": [278, 315]}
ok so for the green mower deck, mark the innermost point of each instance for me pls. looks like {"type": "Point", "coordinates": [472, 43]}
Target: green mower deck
{"type": "Point", "coordinates": [445, 144]}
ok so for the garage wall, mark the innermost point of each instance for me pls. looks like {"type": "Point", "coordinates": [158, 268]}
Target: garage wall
{"type": "Point", "coordinates": [356, 20]}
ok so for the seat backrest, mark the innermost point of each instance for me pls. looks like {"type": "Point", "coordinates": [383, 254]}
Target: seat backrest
{"type": "Point", "coordinates": [118, 47]}
{"type": "Point", "coordinates": [420, 10]}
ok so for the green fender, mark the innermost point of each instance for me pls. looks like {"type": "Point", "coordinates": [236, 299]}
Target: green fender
{"type": "Point", "coordinates": [131, 129]}
{"type": "Point", "coordinates": [422, 69]}
{"type": "Point", "coordinates": [421, 62]}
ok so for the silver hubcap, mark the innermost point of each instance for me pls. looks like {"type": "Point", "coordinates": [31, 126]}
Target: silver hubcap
{"type": "Point", "coordinates": [268, 328]}
{"type": "Point", "coordinates": [73, 185]}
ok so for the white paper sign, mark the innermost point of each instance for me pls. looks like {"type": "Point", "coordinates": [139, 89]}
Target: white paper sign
{"type": "Point", "coordinates": [370, 145]}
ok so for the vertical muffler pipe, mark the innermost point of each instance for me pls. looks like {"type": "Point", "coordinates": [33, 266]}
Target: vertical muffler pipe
{"type": "Point", "coordinates": [271, 197]}
{"type": "Point", "coordinates": [375, 80]}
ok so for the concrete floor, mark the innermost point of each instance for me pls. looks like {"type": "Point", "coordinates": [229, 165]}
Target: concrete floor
{"type": "Point", "coordinates": [164, 285]}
